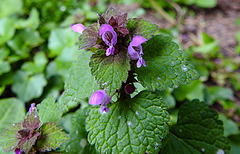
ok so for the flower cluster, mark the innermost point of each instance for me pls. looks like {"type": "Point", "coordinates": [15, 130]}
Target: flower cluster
{"type": "Point", "coordinates": [112, 35]}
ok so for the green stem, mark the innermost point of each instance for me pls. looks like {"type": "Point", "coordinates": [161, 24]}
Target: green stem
{"type": "Point", "coordinates": [162, 12]}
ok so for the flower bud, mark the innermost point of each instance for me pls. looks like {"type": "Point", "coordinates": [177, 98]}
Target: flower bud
{"type": "Point", "coordinates": [129, 89]}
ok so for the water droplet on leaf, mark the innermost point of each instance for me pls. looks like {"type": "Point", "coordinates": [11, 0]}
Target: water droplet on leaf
{"type": "Point", "coordinates": [184, 68]}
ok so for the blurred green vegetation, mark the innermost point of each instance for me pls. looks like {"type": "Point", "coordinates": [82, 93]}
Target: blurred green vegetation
{"type": "Point", "coordinates": [37, 48]}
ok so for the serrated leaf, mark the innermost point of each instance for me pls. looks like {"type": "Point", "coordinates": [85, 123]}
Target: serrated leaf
{"type": "Point", "coordinates": [49, 111]}
{"type": "Point", "coordinates": [11, 110]}
{"type": "Point", "coordinates": [31, 122]}
{"type": "Point", "coordinates": [111, 11]}
{"type": "Point", "coordinates": [8, 138]}
{"type": "Point", "coordinates": [51, 137]}
{"type": "Point", "coordinates": [27, 144]}
{"type": "Point", "coordinates": [80, 83]}
{"type": "Point", "coordinates": [141, 27]}
{"type": "Point", "coordinates": [28, 87]}
{"type": "Point", "coordinates": [89, 36]}
{"type": "Point", "coordinates": [110, 71]}
{"type": "Point", "coordinates": [78, 135]}
{"type": "Point", "coordinates": [198, 130]}
{"type": "Point", "coordinates": [167, 65]}
{"type": "Point", "coordinates": [135, 125]}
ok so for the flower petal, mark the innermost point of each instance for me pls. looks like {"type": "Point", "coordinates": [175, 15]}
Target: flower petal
{"type": "Point", "coordinates": [104, 28]}
{"type": "Point", "coordinates": [104, 109]}
{"type": "Point", "coordinates": [110, 38]}
{"type": "Point", "coordinates": [132, 53]}
{"type": "Point", "coordinates": [78, 28]}
{"type": "Point", "coordinates": [110, 51]}
{"type": "Point", "coordinates": [96, 98]}
{"type": "Point", "coordinates": [137, 40]}
{"type": "Point", "coordinates": [99, 97]}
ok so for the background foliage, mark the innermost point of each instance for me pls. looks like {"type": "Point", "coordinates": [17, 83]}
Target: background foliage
{"type": "Point", "coordinates": [37, 49]}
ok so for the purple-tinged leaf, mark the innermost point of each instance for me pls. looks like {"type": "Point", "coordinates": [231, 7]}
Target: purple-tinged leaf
{"type": "Point", "coordinates": [32, 121]}
{"type": "Point", "coordinates": [111, 11]}
{"type": "Point", "coordinates": [89, 37]}
{"type": "Point", "coordinates": [26, 144]}
{"type": "Point", "coordinates": [52, 137]}
{"type": "Point", "coordinates": [9, 137]}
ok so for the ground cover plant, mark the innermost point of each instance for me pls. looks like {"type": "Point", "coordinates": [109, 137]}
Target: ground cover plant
{"type": "Point", "coordinates": [96, 79]}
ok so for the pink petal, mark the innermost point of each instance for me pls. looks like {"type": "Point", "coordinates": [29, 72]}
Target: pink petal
{"type": "Point", "coordinates": [104, 109]}
{"type": "Point", "coordinates": [137, 40]}
{"type": "Point", "coordinates": [78, 28]}
{"type": "Point", "coordinates": [132, 53]}
{"type": "Point", "coordinates": [96, 98]}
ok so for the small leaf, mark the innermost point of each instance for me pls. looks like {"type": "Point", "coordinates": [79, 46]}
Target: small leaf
{"type": "Point", "coordinates": [78, 135]}
{"type": "Point", "coordinates": [28, 87]}
{"type": "Point", "coordinates": [7, 30]}
{"type": "Point", "coordinates": [51, 137]}
{"type": "Point", "coordinates": [26, 145]}
{"type": "Point", "coordinates": [110, 71]}
{"type": "Point", "coordinates": [167, 65]}
{"type": "Point", "coordinates": [60, 39]}
{"type": "Point", "coordinates": [80, 83]}
{"type": "Point", "coordinates": [31, 122]}
{"type": "Point", "coordinates": [49, 111]}
{"type": "Point", "coordinates": [198, 130]}
{"type": "Point", "coordinates": [215, 93]}
{"type": "Point", "coordinates": [24, 41]}
{"type": "Point", "coordinates": [141, 27]}
{"type": "Point", "coordinates": [11, 110]}
{"type": "Point", "coordinates": [8, 138]}
{"type": "Point", "coordinates": [4, 67]}
{"type": "Point", "coordinates": [89, 36]}
{"type": "Point", "coordinates": [135, 125]}
{"type": "Point", "coordinates": [9, 7]}
{"type": "Point", "coordinates": [111, 11]}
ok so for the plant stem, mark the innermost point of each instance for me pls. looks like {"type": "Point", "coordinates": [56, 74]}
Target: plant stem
{"type": "Point", "coordinates": [162, 12]}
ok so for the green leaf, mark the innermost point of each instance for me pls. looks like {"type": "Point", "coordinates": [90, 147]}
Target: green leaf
{"type": "Point", "coordinates": [89, 36]}
{"type": "Point", "coordinates": [198, 130]}
{"type": "Point", "coordinates": [51, 137]}
{"type": "Point", "coordinates": [215, 93]}
{"type": "Point", "coordinates": [59, 39]}
{"type": "Point", "coordinates": [28, 87]}
{"type": "Point", "coordinates": [32, 22]}
{"type": "Point", "coordinates": [49, 111]}
{"type": "Point", "coordinates": [11, 110]}
{"type": "Point", "coordinates": [135, 125]}
{"type": "Point", "coordinates": [194, 90]}
{"type": "Point", "coordinates": [230, 127]}
{"type": "Point", "coordinates": [4, 67]}
{"type": "Point", "coordinates": [78, 135]}
{"type": "Point", "coordinates": [167, 65]}
{"type": "Point", "coordinates": [65, 60]}
{"type": "Point", "coordinates": [110, 71]}
{"type": "Point", "coordinates": [7, 29]}
{"type": "Point", "coordinates": [139, 26]}
{"type": "Point", "coordinates": [8, 138]}
{"type": "Point", "coordinates": [79, 84]}
{"type": "Point", "coordinates": [24, 41]}
{"type": "Point", "coordinates": [9, 7]}
{"type": "Point", "coordinates": [206, 3]}
{"type": "Point", "coordinates": [37, 66]}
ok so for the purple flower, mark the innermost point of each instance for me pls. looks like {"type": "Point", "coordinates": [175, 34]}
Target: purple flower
{"type": "Point", "coordinates": [135, 50]}
{"type": "Point", "coordinates": [18, 151]}
{"type": "Point", "coordinates": [78, 28]}
{"type": "Point", "coordinates": [101, 98]}
{"type": "Point", "coordinates": [32, 108]}
{"type": "Point", "coordinates": [109, 36]}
